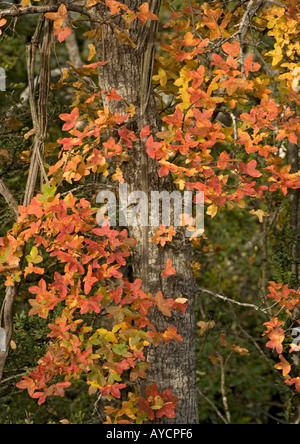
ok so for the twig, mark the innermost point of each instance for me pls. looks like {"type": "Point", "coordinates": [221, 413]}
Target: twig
{"type": "Point", "coordinates": [12, 377]}
{"type": "Point", "coordinates": [18, 12]}
{"type": "Point", "coordinates": [10, 200]}
{"type": "Point", "coordinates": [223, 391]}
{"type": "Point", "coordinates": [225, 298]}
{"type": "Point", "coordinates": [213, 406]}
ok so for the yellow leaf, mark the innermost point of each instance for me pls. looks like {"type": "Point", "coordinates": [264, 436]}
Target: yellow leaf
{"type": "Point", "coordinates": [204, 326]}
{"type": "Point", "coordinates": [131, 110]}
{"type": "Point", "coordinates": [158, 403]}
{"type": "Point", "coordinates": [161, 77]}
{"type": "Point", "coordinates": [13, 345]}
{"type": "Point", "coordinates": [92, 52]}
{"type": "Point", "coordinates": [118, 176]}
{"type": "Point", "coordinates": [212, 210]}
{"type": "Point", "coordinates": [180, 181]}
{"type": "Point", "coordinates": [260, 214]}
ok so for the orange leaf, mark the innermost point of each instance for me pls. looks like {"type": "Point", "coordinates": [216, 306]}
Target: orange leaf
{"type": "Point", "coordinates": [283, 365]}
{"type": "Point", "coordinates": [169, 270]}
{"type": "Point", "coordinates": [59, 17]}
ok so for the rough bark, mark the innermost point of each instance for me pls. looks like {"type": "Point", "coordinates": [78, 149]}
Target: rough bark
{"type": "Point", "coordinates": [129, 71]}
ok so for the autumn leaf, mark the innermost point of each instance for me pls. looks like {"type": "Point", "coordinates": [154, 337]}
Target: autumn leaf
{"type": "Point", "coordinates": [161, 77]}
{"type": "Point", "coordinates": [250, 168]}
{"type": "Point", "coordinates": [62, 33]}
{"type": "Point", "coordinates": [144, 14]}
{"type": "Point", "coordinates": [233, 49]}
{"type": "Point", "coordinates": [59, 17]}
{"type": "Point", "coordinates": [260, 214]}
{"type": "Point", "coordinates": [295, 381]}
{"type": "Point", "coordinates": [204, 326]}
{"type": "Point", "coordinates": [164, 305]}
{"type": "Point", "coordinates": [112, 95]}
{"type": "Point", "coordinates": [276, 339]}
{"type": "Point", "coordinates": [169, 270]}
{"type": "Point", "coordinates": [2, 23]}
{"type": "Point", "coordinates": [70, 119]}
{"type": "Point", "coordinates": [212, 210]}
{"type": "Point", "coordinates": [283, 365]}
{"type": "Point", "coordinates": [95, 65]}
{"type": "Point", "coordinates": [123, 36]}
{"type": "Point", "coordinates": [92, 51]}
{"type": "Point", "coordinates": [251, 66]}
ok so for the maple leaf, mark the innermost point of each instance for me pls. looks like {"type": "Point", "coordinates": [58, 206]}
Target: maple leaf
{"type": "Point", "coordinates": [295, 381]}
{"type": "Point", "coordinates": [169, 270]}
{"type": "Point", "coordinates": [112, 95]}
{"type": "Point", "coordinates": [144, 14]}
{"type": "Point", "coordinates": [164, 305]}
{"type": "Point", "coordinates": [251, 66]}
{"type": "Point", "coordinates": [260, 214]}
{"type": "Point", "coordinates": [145, 132]}
{"type": "Point", "coordinates": [212, 210]}
{"type": "Point", "coordinates": [59, 17]}
{"type": "Point", "coordinates": [154, 148]}
{"type": "Point", "coordinates": [62, 33]}
{"type": "Point", "coordinates": [276, 339]}
{"type": "Point", "coordinates": [28, 384]}
{"type": "Point", "coordinates": [70, 119]}
{"type": "Point", "coordinates": [232, 49]}
{"type": "Point", "coordinates": [111, 147]}
{"type": "Point", "coordinates": [145, 406]}
{"type": "Point", "coordinates": [95, 65]}
{"type": "Point", "coordinates": [283, 365]}
{"type": "Point", "coordinates": [250, 169]}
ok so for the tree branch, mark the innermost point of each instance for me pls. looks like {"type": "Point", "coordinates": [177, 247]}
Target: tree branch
{"type": "Point", "coordinates": [10, 200]}
{"type": "Point", "coordinates": [18, 12]}
{"type": "Point", "coordinates": [225, 298]}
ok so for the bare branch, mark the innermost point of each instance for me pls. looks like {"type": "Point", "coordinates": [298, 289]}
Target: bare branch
{"type": "Point", "coordinates": [223, 391]}
{"type": "Point", "coordinates": [225, 298]}
{"type": "Point", "coordinates": [10, 200]}
{"type": "Point", "coordinates": [31, 9]}
{"type": "Point", "coordinates": [213, 406]}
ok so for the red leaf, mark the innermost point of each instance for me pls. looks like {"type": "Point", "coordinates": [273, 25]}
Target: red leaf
{"type": "Point", "coordinates": [112, 95]}
{"type": "Point", "coordinates": [145, 132]}
{"type": "Point", "coordinates": [251, 66]}
{"type": "Point", "coordinates": [62, 33]}
{"type": "Point", "coordinates": [250, 168]}
{"type": "Point", "coordinates": [70, 119]}
{"type": "Point", "coordinates": [169, 270]}
{"type": "Point", "coordinates": [95, 65]}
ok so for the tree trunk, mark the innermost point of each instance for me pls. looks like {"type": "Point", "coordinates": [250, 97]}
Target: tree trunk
{"type": "Point", "coordinates": [129, 71]}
